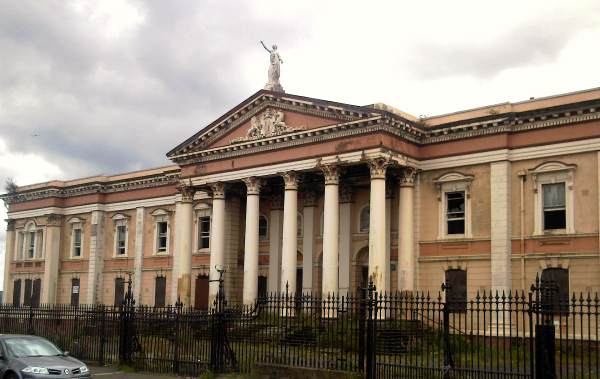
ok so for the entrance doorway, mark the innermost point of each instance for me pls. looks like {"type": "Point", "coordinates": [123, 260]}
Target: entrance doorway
{"type": "Point", "coordinates": [201, 298]}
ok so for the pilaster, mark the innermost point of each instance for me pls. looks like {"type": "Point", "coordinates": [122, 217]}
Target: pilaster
{"type": "Point", "coordinates": [308, 240]}
{"type": "Point", "coordinates": [346, 218]}
{"type": "Point", "coordinates": [500, 176]}
{"type": "Point", "coordinates": [8, 257]}
{"type": "Point", "coordinates": [96, 262]}
{"type": "Point", "coordinates": [138, 257]}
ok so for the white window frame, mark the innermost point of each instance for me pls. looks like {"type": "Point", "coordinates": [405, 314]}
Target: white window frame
{"type": "Point", "coordinates": [121, 220]}
{"type": "Point", "coordinates": [161, 215]}
{"type": "Point", "coordinates": [553, 173]}
{"type": "Point", "coordinates": [448, 183]}
{"type": "Point", "coordinates": [76, 224]}
{"type": "Point", "coordinates": [23, 242]}
{"type": "Point", "coordinates": [202, 210]}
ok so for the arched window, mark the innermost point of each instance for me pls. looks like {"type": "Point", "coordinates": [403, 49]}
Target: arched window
{"type": "Point", "coordinates": [365, 219]}
{"type": "Point", "coordinates": [263, 227]}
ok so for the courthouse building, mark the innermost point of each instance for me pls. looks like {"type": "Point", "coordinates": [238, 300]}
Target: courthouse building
{"type": "Point", "coordinates": [292, 193]}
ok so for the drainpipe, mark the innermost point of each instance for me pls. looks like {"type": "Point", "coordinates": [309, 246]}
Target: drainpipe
{"type": "Point", "coordinates": [523, 175]}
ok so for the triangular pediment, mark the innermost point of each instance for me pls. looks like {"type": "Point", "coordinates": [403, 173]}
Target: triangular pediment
{"type": "Point", "coordinates": [272, 117]}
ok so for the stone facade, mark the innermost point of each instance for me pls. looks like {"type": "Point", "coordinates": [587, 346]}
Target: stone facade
{"type": "Point", "coordinates": [495, 194]}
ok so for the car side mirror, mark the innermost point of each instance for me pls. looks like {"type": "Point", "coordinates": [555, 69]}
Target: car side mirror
{"type": "Point", "coordinates": [65, 353]}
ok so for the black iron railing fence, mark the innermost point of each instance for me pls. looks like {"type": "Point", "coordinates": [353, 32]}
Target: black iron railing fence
{"type": "Point", "coordinates": [412, 335]}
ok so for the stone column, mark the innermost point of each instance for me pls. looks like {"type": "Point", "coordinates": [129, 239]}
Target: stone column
{"type": "Point", "coordinates": [250, 291]}
{"type": "Point", "coordinates": [184, 274]}
{"type": "Point", "coordinates": [8, 257]}
{"type": "Point", "coordinates": [346, 219]}
{"type": "Point", "coordinates": [96, 269]}
{"type": "Point", "coordinates": [289, 253]}
{"type": "Point", "coordinates": [275, 234]}
{"type": "Point", "coordinates": [406, 231]}
{"type": "Point", "coordinates": [378, 267]}
{"type": "Point", "coordinates": [331, 229]}
{"type": "Point", "coordinates": [308, 240]}
{"type": "Point", "coordinates": [138, 257]}
{"type": "Point", "coordinates": [217, 246]}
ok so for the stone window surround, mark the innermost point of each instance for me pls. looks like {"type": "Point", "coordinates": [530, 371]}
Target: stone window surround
{"type": "Point", "coordinates": [453, 182]}
{"type": "Point", "coordinates": [76, 224]}
{"type": "Point", "coordinates": [201, 210]}
{"type": "Point", "coordinates": [161, 215]}
{"type": "Point", "coordinates": [23, 241]}
{"type": "Point", "coordinates": [550, 173]}
{"type": "Point", "coordinates": [120, 219]}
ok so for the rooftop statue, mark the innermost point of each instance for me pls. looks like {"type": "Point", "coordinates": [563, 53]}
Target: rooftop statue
{"type": "Point", "coordinates": [274, 70]}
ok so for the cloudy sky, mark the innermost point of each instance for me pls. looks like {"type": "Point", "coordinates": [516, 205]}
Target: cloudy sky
{"type": "Point", "coordinates": [105, 87]}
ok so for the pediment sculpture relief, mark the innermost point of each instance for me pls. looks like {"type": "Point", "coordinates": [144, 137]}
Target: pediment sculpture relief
{"type": "Point", "coordinates": [271, 123]}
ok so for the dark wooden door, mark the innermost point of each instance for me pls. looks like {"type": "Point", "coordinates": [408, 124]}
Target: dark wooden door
{"type": "Point", "coordinates": [201, 299]}
{"type": "Point", "coordinates": [160, 291]}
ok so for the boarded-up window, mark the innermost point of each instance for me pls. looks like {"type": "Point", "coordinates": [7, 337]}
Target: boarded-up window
{"type": "Point", "coordinates": [35, 295]}
{"type": "Point", "coordinates": [119, 291]}
{"type": "Point", "coordinates": [75, 288]}
{"type": "Point", "coordinates": [262, 286]}
{"type": "Point", "coordinates": [456, 298]}
{"type": "Point", "coordinates": [17, 293]}
{"type": "Point", "coordinates": [160, 291]}
{"type": "Point", "coordinates": [27, 294]}
{"type": "Point", "coordinates": [559, 299]}
{"type": "Point", "coordinates": [201, 299]}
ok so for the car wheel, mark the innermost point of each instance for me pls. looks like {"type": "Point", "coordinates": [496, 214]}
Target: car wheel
{"type": "Point", "coordinates": [11, 376]}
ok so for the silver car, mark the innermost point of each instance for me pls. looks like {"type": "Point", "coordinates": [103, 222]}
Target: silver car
{"type": "Point", "coordinates": [23, 356]}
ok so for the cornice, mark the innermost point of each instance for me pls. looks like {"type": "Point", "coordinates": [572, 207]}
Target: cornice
{"type": "Point", "coordinates": [157, 180]}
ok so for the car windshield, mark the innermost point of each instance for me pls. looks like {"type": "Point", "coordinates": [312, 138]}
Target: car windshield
{"type": "Point", "coordinates": [30, 347]}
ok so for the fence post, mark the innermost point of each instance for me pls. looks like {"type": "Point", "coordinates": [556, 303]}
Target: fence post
{"type": "Point", "coordinates": [362, 319]}
{"type": "Point", "coordinates": [178, 307]}
{"type": "Point", "coordinates": [371, 315]}
{"type": "Point", "coordinates": [102, 311]}
{"type": "Point", "coordinates": [545, 343]}
{"type": "Point", "coordinates": [220, 352]}
{"type": "Point", "coordinates": [127, 334]}
{"type": "Point", "coordinates": [31, 328]}
{"type": "Point", "coordinates": [448, 361]}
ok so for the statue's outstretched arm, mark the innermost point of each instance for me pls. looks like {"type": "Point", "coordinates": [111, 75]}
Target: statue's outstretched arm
{"type": "Point", "coordinates": [265, 46]}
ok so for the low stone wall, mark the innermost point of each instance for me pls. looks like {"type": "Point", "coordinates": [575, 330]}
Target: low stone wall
{"type": "Point", "coordinates": [270, 371]}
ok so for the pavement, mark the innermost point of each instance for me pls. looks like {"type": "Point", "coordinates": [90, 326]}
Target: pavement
{"type": "Point", "coordinates": [111, 372]}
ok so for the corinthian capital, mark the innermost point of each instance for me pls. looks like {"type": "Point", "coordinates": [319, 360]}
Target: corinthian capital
{"type": "Point", "coordinates": [10, 224]}
{"type": "Point", "coordinates": [254, 185]}
{"type": "Point", "coordinates": [407, 176]}
{"type": "Point", "coordinates": [187, 191]}
{"type": "Point", "coordinates": [291, 179]}
{"type": "Point", "coordinates": [218, 190]}
{"type": "Point", "coordinates": [332, 173]}
{"type": "Point", "coordinates": [378, 167]}
{"type": "Point", "coordinates": [53, 219]}
{"type": "Point", "coordinates": [310, 198]}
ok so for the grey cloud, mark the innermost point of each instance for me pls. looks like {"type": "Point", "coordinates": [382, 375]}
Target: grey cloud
{"type": "Point", "coordinates": [110, 107]}
{"type": "Point", "coordinates": [538, 41]}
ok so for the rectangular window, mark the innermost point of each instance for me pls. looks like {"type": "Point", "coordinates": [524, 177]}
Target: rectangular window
{"type": "Point", "coordinates": [160, 291]}
{"type": "Point", "coordinates": [75, 292]}
{"type": "Point", "coordinates": [41, 244]}
{"type": "Point", "coordinates": [162, 237]}
{"type": "Point", "coordinates": [21, 249]}
{"type": "Point", "coordinates": [27, 294]}
{"type": "Point", "coordinates": [31, 250]}
{"type": "Point", "coordinates": [77, 242]}
{"type": "Point", "coordinates": [119, 291]}
{"type": "Point", "coordinates": [17, 293]}
{"type": "Point", "coordinates": [121, 236]}
{"type": "Point", "coordinates": [204, 242]}
{"type": "Point", "coordinates": [554, 206]}
{"type": "Point", "coordinates": [455, 212]}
